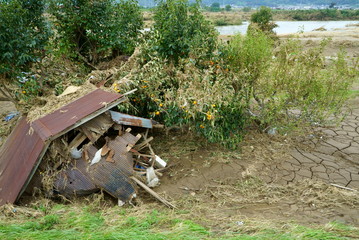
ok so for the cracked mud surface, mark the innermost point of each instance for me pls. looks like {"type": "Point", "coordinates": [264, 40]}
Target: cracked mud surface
{"type": "Point", "coordinates": [330, 155]}
{"type": "Point", "coordinates": [272, 177]}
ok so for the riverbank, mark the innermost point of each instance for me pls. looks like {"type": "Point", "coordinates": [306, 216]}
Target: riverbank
{"type": "Point", "coordinates": [346, 38]}
{"type": "Point", "coordinates": [235, 17]}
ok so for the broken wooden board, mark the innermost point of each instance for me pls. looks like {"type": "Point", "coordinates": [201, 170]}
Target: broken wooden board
{"type": "Point", "coordinates": [95, 128]}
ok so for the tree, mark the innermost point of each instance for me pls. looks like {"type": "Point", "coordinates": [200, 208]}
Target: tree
{"type": "Point", "coordinates": [92, 30]}
{"type": "Point", "coordinates": [263, 20]}
{"type": "Point", "coordinates": [332, 5]}
{"type": "Point", "coordinates": [180, 29]}
{"type": "Point", "coordinates": [228, 8]}
{"type": "Point", "coordinates": [23, 37]}
{"type": "Point", "coordinates": [215, 7]}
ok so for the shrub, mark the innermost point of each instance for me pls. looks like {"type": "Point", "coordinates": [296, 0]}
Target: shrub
{"type": "Point", "coordinates": [129, 26]}
{"type": "Point", "coordinates": [248, 57]}
{"type": "Point", "coordinates": [289, 85]}
{"type": "Point", "coordinates": [180, 30]}
{"type": "Point", "coordinates": [228, 8]}
{"type": "Point", "coordinates": [185, 95]}
{"type": "Point", "coordinates": [246, 9]}
{"type": "Point", "coordinates": [300, 86]}
{"type": "Point", "coordinates": [215, 7]}
{"type": "Point", "coordinates": [23, 35]}
{"type": "Point", "coordinates": [264, 20]}
{"type": "Point", "coordinates": [93, 29]}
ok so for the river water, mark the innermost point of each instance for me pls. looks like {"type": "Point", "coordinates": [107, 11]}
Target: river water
{"type": "Point", "coordinates": [288, 26]}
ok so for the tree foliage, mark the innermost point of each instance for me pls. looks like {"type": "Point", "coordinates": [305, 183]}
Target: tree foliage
{"type": "Point", "coordinates": [263, 20]}
{"type": "Point", "coordinates": [93, 29]}
{"type": "Point", "coordinates": [181, 29]}
{"type": "Point", "coordinates": [23, 34]}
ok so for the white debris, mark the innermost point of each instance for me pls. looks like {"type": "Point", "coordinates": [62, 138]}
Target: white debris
{"type": "Point", "coordinates": [159, 162]}
{"type": "Point", "coordinates": [152, 179]}
{"type": "Point", "coordinates": [76, 154]}
{"type": "Point", "coordinates": [97, 157]}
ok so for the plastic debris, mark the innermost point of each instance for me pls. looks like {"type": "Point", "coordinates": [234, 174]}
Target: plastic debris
{"type": "Point", "coordinates": [152, 179]}
{"type": "Point", "coordinates": [76, 154]}
{"type": "Point", "coordinates": [11, 116]}
{"type": "Point", "coordinates": [159, 162]}
{"type": "Point", "coordinates": [272, 131]}
{"type": "Point", "coordinates": [240, 223]}
{"type": "Point", "coordinates": [97, 157]}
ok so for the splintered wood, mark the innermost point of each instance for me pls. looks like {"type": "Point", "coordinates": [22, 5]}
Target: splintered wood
{"type": "Point", "coordinates": [110, 157]}
{"type": "Point", "coordinates": [95, 128]}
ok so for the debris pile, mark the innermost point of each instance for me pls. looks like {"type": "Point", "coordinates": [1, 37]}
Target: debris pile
{"type": "Point", "coordinates": [110, 151]}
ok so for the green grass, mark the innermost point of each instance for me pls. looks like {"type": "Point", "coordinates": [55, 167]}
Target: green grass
{"type": "Point", "coordinates": [66, 222]}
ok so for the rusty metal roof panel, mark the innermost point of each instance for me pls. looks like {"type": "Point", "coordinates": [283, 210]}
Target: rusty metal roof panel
{"type": "Point", "coordinates": [18, 156]}
{"type": "Point", "coordinates": [125, 119]}
{"type": "Point", "coordinates": [75, 114]}
{"type": "Point", "coordinates": [22, 152]}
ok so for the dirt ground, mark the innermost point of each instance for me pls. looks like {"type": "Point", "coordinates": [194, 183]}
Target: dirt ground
{"type": "Point", "coordinates": [272, 177]}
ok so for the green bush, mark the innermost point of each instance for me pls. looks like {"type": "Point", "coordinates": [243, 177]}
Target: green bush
{"type": "Point", "coordinates": [215, 7]}
{"type": "Point", "coordinates": [180, 30]}
{"type": "Point", "coordinates": [95, 29]}
{"type": "Point", "coordinates": [301, 86]}
{"type": "Point", "coordinates": [263, 19]}
{"type": "Point", "coordinates": [185, 95]}
{"type": "Point", "coordinates": [288, 85]}
{"type": "Point", "coordinates": [248, 57]}
{"type": "Point", "coordinates": [228, 8]}
{"type": "Point", "coordinates": [23, 35]}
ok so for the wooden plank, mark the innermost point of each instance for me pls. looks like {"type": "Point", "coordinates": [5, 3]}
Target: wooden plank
{"type": "Point", "coordinates": [153, 193]}
{"type": "Point", "coordinates": [143, 144]}
{"type": "Point", "coordinates": [77, 140]}
{"type": "Point", "coordinates": [95, 128]}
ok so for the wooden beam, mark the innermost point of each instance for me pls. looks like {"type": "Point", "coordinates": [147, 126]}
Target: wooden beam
{"type": "Point", "coordinates": [153, 193]}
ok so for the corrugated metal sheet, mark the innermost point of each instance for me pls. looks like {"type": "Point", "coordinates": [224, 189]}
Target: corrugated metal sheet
{"type": "Point", "coordinates": [75, 114]}
{"type": "Point", "coordinates": [18, 156]}
{"type": "Point", "coordinates": [25, 147]}
{"type": "Point", "coordinates": [114, 177]}
{"type": "Point", "coordinates": [75, 181]}
{"type": "Point", "coordinates": [129, 120]}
